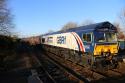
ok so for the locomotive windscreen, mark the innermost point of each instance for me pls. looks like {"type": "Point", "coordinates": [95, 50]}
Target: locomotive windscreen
{"type": "Point", "coordinates": [105, 37]}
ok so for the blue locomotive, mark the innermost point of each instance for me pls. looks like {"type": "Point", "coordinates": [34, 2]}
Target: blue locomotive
{"type": "Point", "coordinates": [92, 45]}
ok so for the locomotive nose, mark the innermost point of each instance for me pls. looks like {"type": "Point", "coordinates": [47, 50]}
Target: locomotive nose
{"type": "Point", "coordinates": [99, 49]}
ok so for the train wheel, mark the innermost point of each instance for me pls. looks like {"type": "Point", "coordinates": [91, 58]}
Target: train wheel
{"type": "Point", "coordinates": [100, 66]}
{"type": "Point", "coordinates": [115, 64]}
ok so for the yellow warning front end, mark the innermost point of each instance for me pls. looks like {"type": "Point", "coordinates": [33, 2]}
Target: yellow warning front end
{"type": "Point", "coordinates": [99, 48]}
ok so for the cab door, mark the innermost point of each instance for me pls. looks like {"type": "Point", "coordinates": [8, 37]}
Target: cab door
{"type": "Point", "coordinates": [88, 45]}
{"type": "Point", "coordinates": [87, 41]}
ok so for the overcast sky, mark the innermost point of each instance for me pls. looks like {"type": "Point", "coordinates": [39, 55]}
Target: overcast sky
{"type": "Point", "coordinates": [34, 17]}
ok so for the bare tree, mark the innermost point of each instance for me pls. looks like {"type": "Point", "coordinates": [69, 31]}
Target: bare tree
{"type": "Point", "coordinates": [87, 22]}
{"type": "Point", "coordinates": [121, 25]}
{"type": "Point", "coordinates": [5, 18]}
{"type": "Point", "coordinates": [120, 31]}
{"type": "Point", "coordinates": [122, 17]}
{"type": "Point", "coordinates": [69, 25]}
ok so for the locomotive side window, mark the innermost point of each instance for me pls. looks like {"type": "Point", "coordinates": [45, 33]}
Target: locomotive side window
{"type": "Point", "coordinates": [50, 39]}
{"type": "Point", "coordinates": [84, 37]}
{"type": "Point", "coordinates": [87, 37]}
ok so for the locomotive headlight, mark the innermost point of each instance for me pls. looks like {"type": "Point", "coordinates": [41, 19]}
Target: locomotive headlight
{"type": "Point", "coordinates": [99, 50]}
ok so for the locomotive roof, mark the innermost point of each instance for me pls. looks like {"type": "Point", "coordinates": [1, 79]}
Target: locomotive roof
{"type": "Point", "coordinates": [90, 27]}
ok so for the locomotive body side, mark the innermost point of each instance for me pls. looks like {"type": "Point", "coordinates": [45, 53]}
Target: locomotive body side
{"type": "Point", "coordinates": [68, 45]}
{"type": "Point", "coordinates": [63, 40]}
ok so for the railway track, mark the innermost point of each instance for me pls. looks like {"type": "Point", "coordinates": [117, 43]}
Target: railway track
{"type": "Point", "coordinates": [84, 77]}
{"type": "Point", "coordinates": [49, 72]}
{"type": "Point", "coordinates": [88, 74]}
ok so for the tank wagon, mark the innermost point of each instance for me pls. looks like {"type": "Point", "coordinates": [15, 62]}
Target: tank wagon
{"type": "Point", "coordinates": [93, 45]}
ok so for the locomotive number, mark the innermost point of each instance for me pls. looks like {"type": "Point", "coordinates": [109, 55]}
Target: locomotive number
{"type": "Point", "coordinates": [61, 40]}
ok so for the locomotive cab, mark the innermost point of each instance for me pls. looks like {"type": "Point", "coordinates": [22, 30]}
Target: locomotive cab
{"type": "Point", "coordinates": [105, 47]}
{"type": "Point", "coordinates": [105, 42]}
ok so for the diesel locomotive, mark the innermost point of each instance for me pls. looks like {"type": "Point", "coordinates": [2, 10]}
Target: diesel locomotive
{"type": "Point", "coordinates": [93, 45]}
